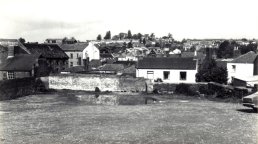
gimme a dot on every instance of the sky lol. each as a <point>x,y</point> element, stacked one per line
<point>36,20</point>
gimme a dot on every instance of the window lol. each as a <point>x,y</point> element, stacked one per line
<point>71,55</point>
<point>71,64</point>
<point>79,61</point>
<point>166,75</point>
<point>150,74</point>
<point>182,75</point>
<point>233,68</point>
<point>77,55</point>
<point>10,75</point>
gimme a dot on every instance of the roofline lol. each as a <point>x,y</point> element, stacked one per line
<point>166,68</point>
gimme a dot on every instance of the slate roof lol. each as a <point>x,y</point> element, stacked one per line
<point>106,55</point>
<point>46,50</point>
<point>74,47</point>
<point>111,67</point>
<point>246,58</point>
<point>23,62</point>
<point>167,63</point>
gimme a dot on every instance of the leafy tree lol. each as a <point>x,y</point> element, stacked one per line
<point>135,36</point>
<point>130,44</point>
<point>225,50</point>
<point>250,47</point>
<point>108,35</point>
<point>144,41</point>
<point>129,34</point>
<point>210,72</point>
<point>169,35</point>
<point>139,36</point>
<point>22,40</point>
<point>99,37</point>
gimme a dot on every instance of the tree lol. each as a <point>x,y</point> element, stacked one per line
<point>250,47</point>
<point>169,35</point>
<point>130,44</point>
<point>139,36</point>
<point>144,41</point>
<point>108,35</point>
<point>22,40</point>
<point>210,72</point>
<point>225,50</point>
<point>129,34</point>
<point>99,37</point>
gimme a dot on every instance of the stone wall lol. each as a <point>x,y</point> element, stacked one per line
<point>10,89</point>
<point>90,81</point>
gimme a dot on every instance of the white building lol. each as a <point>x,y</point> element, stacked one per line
<point>91,52</point>
<point>243,66</point>
<point>169,70</point>
<point>74,52</point>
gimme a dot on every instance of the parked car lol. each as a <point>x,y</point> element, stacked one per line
<point>251,101</point>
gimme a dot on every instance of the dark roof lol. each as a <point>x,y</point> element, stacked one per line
<point>23,62</point>
<point>74,47</point>
<point>75,69</point>
<point>167,63</point>
<point>246,58</point>
<point>106,55</point>
<point>46,50</point>
<point>111,67</point>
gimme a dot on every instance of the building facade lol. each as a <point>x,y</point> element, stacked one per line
<point>169,70</point>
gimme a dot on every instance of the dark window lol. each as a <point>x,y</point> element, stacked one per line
<point>182,75</point>
<point>166,75</point>
<point>234,68</point>
<point>79,61</point>
<point>71,55</point>
<point>71,64</point>
<point>77,55</point>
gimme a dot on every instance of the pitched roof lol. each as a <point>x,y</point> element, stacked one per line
<point>46,50</point>
<point>23,62</point>
<point>74,47</point>
<point>167,63</point>
<point>111,67</point>
<point>106,55</point>
<point>246,58</point>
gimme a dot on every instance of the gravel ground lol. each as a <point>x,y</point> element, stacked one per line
<point>51,118</point>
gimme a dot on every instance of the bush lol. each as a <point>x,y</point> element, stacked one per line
<point>203,89</point>
<point>186,89</point>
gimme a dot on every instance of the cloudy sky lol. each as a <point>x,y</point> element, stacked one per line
<point>36,20</point>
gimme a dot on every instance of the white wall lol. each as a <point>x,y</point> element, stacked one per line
<point>242,70</point>
<point>174,75</point>
<point>91,52</point>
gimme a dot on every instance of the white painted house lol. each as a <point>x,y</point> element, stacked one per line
<point>78,52</point>
<point>91,52</point>
<point>243,66</point>
<point>169,70</point>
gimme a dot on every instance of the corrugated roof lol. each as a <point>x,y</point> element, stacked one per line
<point>74,47</point>
<point>23,62</point>
<point>246,58</point>
<point>46,50</point>
<point>167,63</point>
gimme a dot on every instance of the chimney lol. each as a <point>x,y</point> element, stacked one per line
<point>10,51</point>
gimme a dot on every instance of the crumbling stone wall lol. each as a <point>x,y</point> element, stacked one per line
<point>90,81</point>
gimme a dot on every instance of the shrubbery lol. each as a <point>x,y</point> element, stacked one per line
<point>186,89</point>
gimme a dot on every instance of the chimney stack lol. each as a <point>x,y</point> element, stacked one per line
<point>10,51</point>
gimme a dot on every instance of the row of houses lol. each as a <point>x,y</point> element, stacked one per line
<point>33,59</point>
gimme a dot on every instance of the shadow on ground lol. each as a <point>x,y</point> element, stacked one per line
<point>247,110</point>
